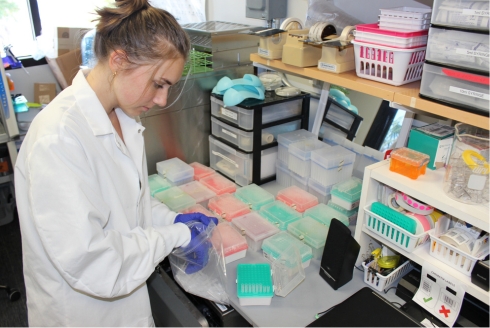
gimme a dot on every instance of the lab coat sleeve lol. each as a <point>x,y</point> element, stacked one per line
<point>161,215</point>
<point>69,213</point>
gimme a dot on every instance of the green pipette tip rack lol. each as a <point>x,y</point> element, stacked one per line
<point>198,63</point>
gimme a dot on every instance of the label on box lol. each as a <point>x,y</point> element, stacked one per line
<point>231,134</point>
<point>443,152</point>
<point>229,113</point>
<point>264,52</point>
<point>469,93</point>
<point>473,12</point>
<point>472,53</point>
<point>327,67</point>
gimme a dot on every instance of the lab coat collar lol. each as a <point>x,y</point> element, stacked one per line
<point>90,105</point>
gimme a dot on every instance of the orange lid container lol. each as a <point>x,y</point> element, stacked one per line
<point>408,162</point>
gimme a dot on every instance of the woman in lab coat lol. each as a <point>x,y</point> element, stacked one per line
<point>91,233</point>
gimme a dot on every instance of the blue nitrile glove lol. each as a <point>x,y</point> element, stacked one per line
<point>197,251</point>
<point>199,217</point>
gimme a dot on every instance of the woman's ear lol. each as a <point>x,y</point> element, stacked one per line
<point>117,60</point>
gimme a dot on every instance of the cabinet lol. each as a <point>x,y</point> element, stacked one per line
<point>427,188</point>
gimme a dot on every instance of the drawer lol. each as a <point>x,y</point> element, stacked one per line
<point>456,88</point>
<point>459,48</point>
<point>461,13</point>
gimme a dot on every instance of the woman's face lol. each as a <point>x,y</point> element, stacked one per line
<point>133,93</point>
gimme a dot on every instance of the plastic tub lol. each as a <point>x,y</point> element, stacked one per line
<point>347,193</point>
<point>285,139</point>
<point>312,233</point>
<point>273,246</point>
<point>408,162</point>
<point>234,244</point>
<point>324,214</point>
<point>201,171</point>
<point>255,229</point>
<point>254,284</point>
<point>198,191</point>
<point>371,33</point>
<point>404,24</point>
<point>389,65</point>
<point>380,282</point>
<point>298,181</point>
<point>157,184</point>
<point>198,208</point>
<point>300,155</point>
<point>456,88</point>
<point>320,191</point>
<point>297,198</point>
<point>282,174</point>
<point>331,165</point>
<point>351,214</point>
<point>238,165</point>
<point>458,48</point>
<point>175,199</point>
<point>461,13</point>
<point>228,207</point>
<point>254,196</point>
<point>244,118</point>
<point>279,214</point>
<point>218,184</point>
<point>176,171</point>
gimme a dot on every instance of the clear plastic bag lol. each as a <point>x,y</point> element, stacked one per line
<point>326,11</point>
<point>210,281</point>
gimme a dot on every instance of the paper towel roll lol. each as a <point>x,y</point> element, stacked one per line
<point>267,138</point>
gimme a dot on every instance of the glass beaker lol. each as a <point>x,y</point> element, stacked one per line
<point>467,172</point>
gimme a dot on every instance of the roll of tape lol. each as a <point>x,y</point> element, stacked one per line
<point>319,31</point>
<point>393,204</point>
<point>459,239</point>
<point>412,205</point>
<point>291,23</point>
<point>423,224</point>
<point>346,32</point>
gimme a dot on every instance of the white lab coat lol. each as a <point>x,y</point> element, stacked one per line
<point>91,233</point>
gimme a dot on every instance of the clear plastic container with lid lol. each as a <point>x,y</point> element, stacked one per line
<point>234,244</point>
<point>275,245</point>
<point>347,193</point>
<point>254,196</point>
<point>461,13</point>
<point>312,233</point>
<point>285,139</point>
<point>218,184</point>
<point>351,214</point>
<point>331,165</point>
<point>408,162</point>
<point>198,208</point>
<point>324,214</point>
<point>300,155</point>
<point>254,284</point>
<point>175,198</point>
<point>319,191</point>
<point>297,198</point>
<point>282,174</point>
<point>157,184</point>
<point>228,207</point>
<point>198,191</point>
<point>279,214</point>
<point>176,171</point>
<point>255,228</point>
<point>201,171</point>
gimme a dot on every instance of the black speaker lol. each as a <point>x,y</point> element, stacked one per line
<point>339,256</point>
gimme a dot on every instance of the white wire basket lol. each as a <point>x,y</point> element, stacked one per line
<point>380,282</point>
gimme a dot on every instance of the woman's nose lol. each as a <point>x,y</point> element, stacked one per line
<point>160,98</point>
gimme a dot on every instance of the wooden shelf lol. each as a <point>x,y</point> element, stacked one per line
<point>406,95</point>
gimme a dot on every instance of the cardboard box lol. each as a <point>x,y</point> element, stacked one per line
<point>434,140</point>
<point>65,67</point>
<point>44,92</point>
<point>69,38</point>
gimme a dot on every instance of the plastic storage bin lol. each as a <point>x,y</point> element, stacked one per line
<point>198,191</point>
<point>282,174</point>
<point>408,162</point>
<point>157,184</point>
<point>198,208</point>
<point>285,139</point>
<point>279,214</point>
<point>351,214</point>
<point>254,196</point>
<point>287,271</point>
<point>312,233</point>
<point>238,165</point>
<point>371,33</point>
<point>239,138</point>
<point>255,229</point>
<point>300,155</point>
<point>320,191</point>
<point>299,181</point>
<point>201,171</point>
<point>275,245</point>
<point>461,13</point>
<point>234,244</point>
<point>456,88</point>
<point>459,48</point>
<point>324,214</point>
<point>244,118</point>
<point>175,199</point>
<point>403,24</point>
<point>331,165</point>
<point>228,207</point>
<point>176,171</point>
<point>254,284</point>
<point>218,184</point>
<point>297,198</point>
<point>347,193</point>
<point>389,65</point>
<point>380,282</point>
<point>406,13</point>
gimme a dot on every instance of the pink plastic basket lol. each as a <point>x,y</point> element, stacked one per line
<point>371,33</point>
<point>374,28</point>
<point>389,65</point>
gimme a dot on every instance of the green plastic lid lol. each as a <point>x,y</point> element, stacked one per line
<point>157,184</point>
<point>309,231</point>
<point>324,214</point>
<point>349,190</point>
<point>175,199</point>
<point>279,214</point>
<point>342,210</point>
<point>280,242</point>
<point>254,196</point>
<point>254,280</point>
